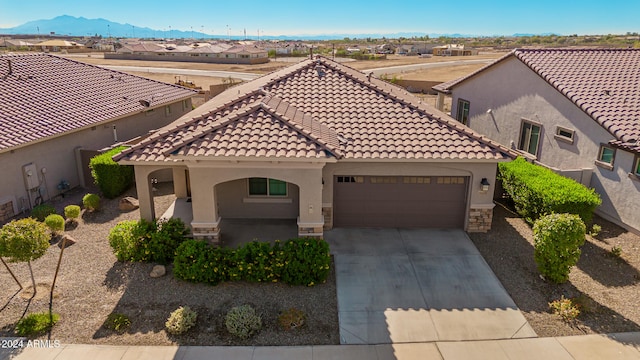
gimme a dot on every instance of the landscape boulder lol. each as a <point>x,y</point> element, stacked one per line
<point>128,204</point>
<point>158,271</point>
<point>68,241</point>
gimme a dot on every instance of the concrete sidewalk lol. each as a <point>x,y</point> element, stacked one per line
<point>619,346</point>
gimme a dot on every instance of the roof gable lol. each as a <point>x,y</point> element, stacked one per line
<point>347,113</point>
<point>43,95</point>
<point>601,82</point>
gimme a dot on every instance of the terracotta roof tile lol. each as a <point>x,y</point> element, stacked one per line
<point>317,108</point>
<point>45,95</point>
<point>604,83</point>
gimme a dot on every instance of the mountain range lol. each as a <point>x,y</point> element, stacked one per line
<point>80,26</point>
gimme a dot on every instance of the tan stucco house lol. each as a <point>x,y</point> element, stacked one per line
<point>326,145</point>
<point>576,111</point>
<point>53,109</point>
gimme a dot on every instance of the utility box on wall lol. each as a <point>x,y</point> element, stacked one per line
<point>30,174</point>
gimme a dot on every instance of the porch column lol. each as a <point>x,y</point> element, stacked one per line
<point>311,219</point>
<point>206,222</point>
<point>180,182</point>
<point>145,197</point>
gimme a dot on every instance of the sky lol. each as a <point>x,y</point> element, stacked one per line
<point>304,17</point>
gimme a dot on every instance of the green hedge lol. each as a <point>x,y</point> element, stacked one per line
<point>538,191</point>
<point>301,261</point>
<point>112,179</point>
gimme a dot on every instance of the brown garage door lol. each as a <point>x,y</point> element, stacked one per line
<point>400,201</point>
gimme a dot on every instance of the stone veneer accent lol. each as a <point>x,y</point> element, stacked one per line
<point>6,211</point>
<point>310,231</point>
<point>327,214</point>
<point>480,220</point>
<point>207,232</point>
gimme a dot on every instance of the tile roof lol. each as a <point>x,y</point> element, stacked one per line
<point>317,108</point>
<point>604,83</point>
<point>45,95</point>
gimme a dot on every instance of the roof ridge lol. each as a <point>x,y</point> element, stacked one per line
<point>299,126</point>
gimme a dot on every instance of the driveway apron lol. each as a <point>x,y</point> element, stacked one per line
<point>418,285</point>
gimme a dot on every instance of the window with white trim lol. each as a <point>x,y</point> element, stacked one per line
<point>564,134</point>
<point>529,137</point>
<point>463,111</point>
<point>267,187</point>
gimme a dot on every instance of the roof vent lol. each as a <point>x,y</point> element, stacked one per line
<point>9,65</point>
<point>320,70</point>
<point>369,76</point>
<point>145,103</point>
<point>606,92</point>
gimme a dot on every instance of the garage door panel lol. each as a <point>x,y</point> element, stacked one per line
<point>393,201</point>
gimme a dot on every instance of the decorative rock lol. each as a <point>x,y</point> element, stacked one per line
<point>128,204</point>
<point>68,241</point>
<point>158,271</point>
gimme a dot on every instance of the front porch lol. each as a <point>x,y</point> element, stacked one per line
<point>236,232</point>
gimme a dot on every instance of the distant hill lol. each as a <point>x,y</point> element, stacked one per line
<point>80,26</point>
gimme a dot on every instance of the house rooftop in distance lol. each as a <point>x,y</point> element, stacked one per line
<point>43,95</point>
<point>604,83</point>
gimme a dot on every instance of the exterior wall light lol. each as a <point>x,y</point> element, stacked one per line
<point>484,184</point>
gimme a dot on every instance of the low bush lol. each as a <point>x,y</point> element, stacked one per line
<point>243,321</point>
<point>112,178</point>
<point>181,320</point>
<point>24,240</point>
<point>291,319</point>
<point>117,322</point>
<point>557,241</point>
<point>303,261</point>
<point>55,223</point>
<point>595,230</point>
<point>147,241</point>
<point>36,324</point>
<point>72,212</point>
<point>537,191</point>
<point>565,308</point>
<point>91,202</point>
<point>41,212</point>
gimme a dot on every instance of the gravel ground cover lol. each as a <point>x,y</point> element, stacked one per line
<point>606,286</point>
<point>92,284</point>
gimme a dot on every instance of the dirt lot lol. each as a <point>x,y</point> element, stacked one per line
<point>441,74</point>
<point>92,284</point>
<point>606,286</point>
<point>397,60</point>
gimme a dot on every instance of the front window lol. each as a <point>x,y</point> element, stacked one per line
<point>267,187</point>
<point>636,167</point>
<point>529,138</point>
<point>463,111</point>
<point>607,154</point>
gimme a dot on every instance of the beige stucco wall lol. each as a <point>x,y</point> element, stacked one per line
<point>513,92</point>
<point>474,170</point>
<point>234,202</point>
<point>58,157</point>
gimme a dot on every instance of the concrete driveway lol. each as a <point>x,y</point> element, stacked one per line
<point>417,285</point>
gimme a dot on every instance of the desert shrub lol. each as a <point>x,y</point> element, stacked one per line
<point>565,308</point>
<point>166,238</point>
<point>306,261</point>
<point>291,319</point>
<point>595,230</point>
<point>91,202</point>
<point>616,252</point>
<point>253,262</point>
<point>72,212</point>
<point>197,261</point>
<point>36,324</point>
<point>181,320</point>
<point>41,211</point>
<point>55,223</point>
<point>243,321</point>
<point>537,191</point>
<point>112,178</point>
<point>146,240</point>
<point>117,322</point>
<point>557,241</point>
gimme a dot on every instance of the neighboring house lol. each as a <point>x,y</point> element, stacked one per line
<point>576,111</point>
<point>453,50</point>
<point>208,53</point>
<point>52,108</point>
<point>59,45</point>
<point>324,144</point>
